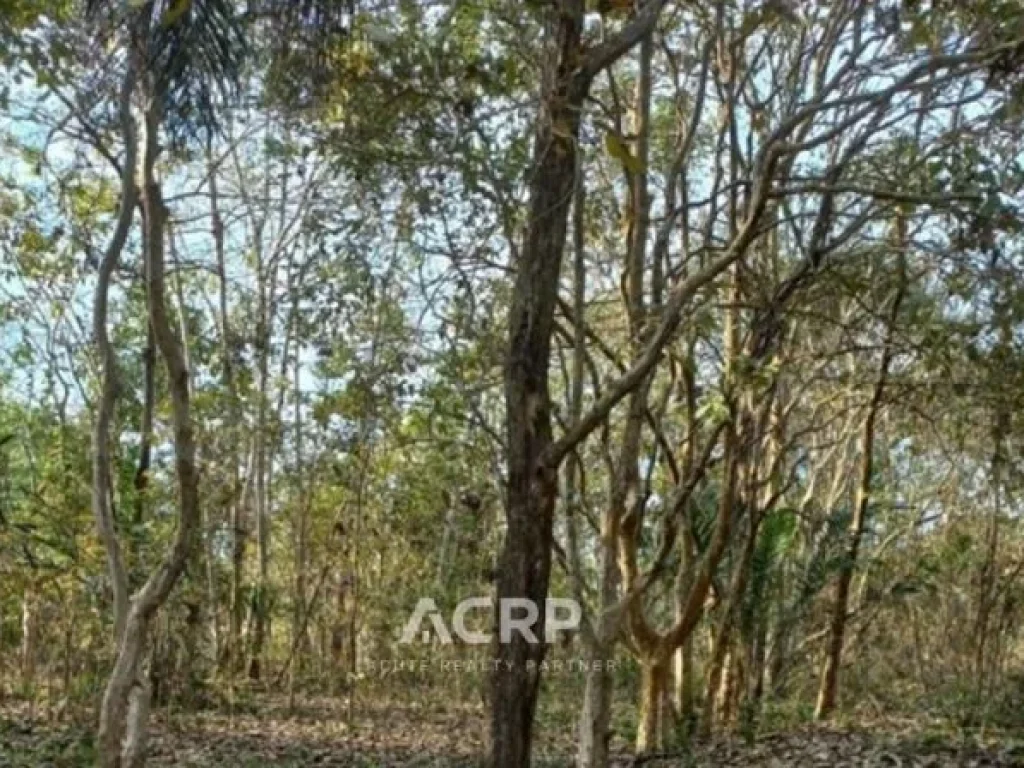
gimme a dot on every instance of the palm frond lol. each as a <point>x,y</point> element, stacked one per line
<point>197,53</point>
<point>198,50</point>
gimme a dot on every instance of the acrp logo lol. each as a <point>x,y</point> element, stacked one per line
<point>515,614</point>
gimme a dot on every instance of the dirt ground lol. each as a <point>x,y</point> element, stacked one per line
<point>329,733</point>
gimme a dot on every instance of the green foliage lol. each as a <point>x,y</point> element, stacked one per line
<point>343,259</point>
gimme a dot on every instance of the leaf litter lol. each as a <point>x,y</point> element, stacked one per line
<point>392,734</point>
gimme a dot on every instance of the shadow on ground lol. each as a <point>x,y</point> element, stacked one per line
<point>332,733</point>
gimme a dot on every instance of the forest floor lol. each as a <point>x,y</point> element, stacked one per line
<point>409,734</point>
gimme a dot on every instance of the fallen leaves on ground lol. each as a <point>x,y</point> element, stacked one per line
<point>385,734</point>
<point>834,748</point>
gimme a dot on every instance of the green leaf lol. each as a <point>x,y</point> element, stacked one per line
<point>617,148</point>
<point>174,14</point>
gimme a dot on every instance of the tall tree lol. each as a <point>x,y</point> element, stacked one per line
<point>525,564</point>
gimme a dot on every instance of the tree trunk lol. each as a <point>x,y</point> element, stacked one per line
<point>233,655</point>
<point>115,697</point>
<point>988,576</point>
<point>650,734</point>
<point>662,647</point>
<point>260,597</point>
<point>445,555</point>
<point>136,733</point>
<point>684,674</point>
<point>525,564</point>
<point>300,635</point>
<point>684,681</point>
<point>724,651</point>
<point>109,373</point>
<point>732,687</point>
<point>828,690</point>
<point>339,629</point>
<point>757,663</point>
<point>716,667</point>
<point>598,637</point>
<point>111,741</point>
<point>146,429</point>
<point>69,656</point>
<point>596,715</point>
<point>29,625</point>
<point>212,594</point>
<point>123,713</point>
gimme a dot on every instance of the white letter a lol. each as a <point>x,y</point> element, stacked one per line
<point>426,607</point>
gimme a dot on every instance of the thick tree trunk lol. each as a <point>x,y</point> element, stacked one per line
<point>111,741</point>
<point>650,733</point>
<point>716,671</point>
<point>827,693</point>
<point>734,687</point>
<point>136,736</point>
<point>684,681</point>
<point>525,563</point>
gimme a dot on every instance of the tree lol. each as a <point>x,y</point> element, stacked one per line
<point>766,415</point>
<point>533,461</point>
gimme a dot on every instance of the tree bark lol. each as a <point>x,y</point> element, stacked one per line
<point>29,626</point>
<point>595,717</point>
<point>684,679</point>
<point>627,500</point>
<point>828,690</point>
<point>126,698</point>
<point>137,731</point>
<point>233,654</point>
<point>109,369</point>
<point>146,429</point>
<point>650,733</point>
<point>115,700</point>
<point>724,649</point>
<point>260,596</point>
<point>300,637</point>
<point>525,563</point>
